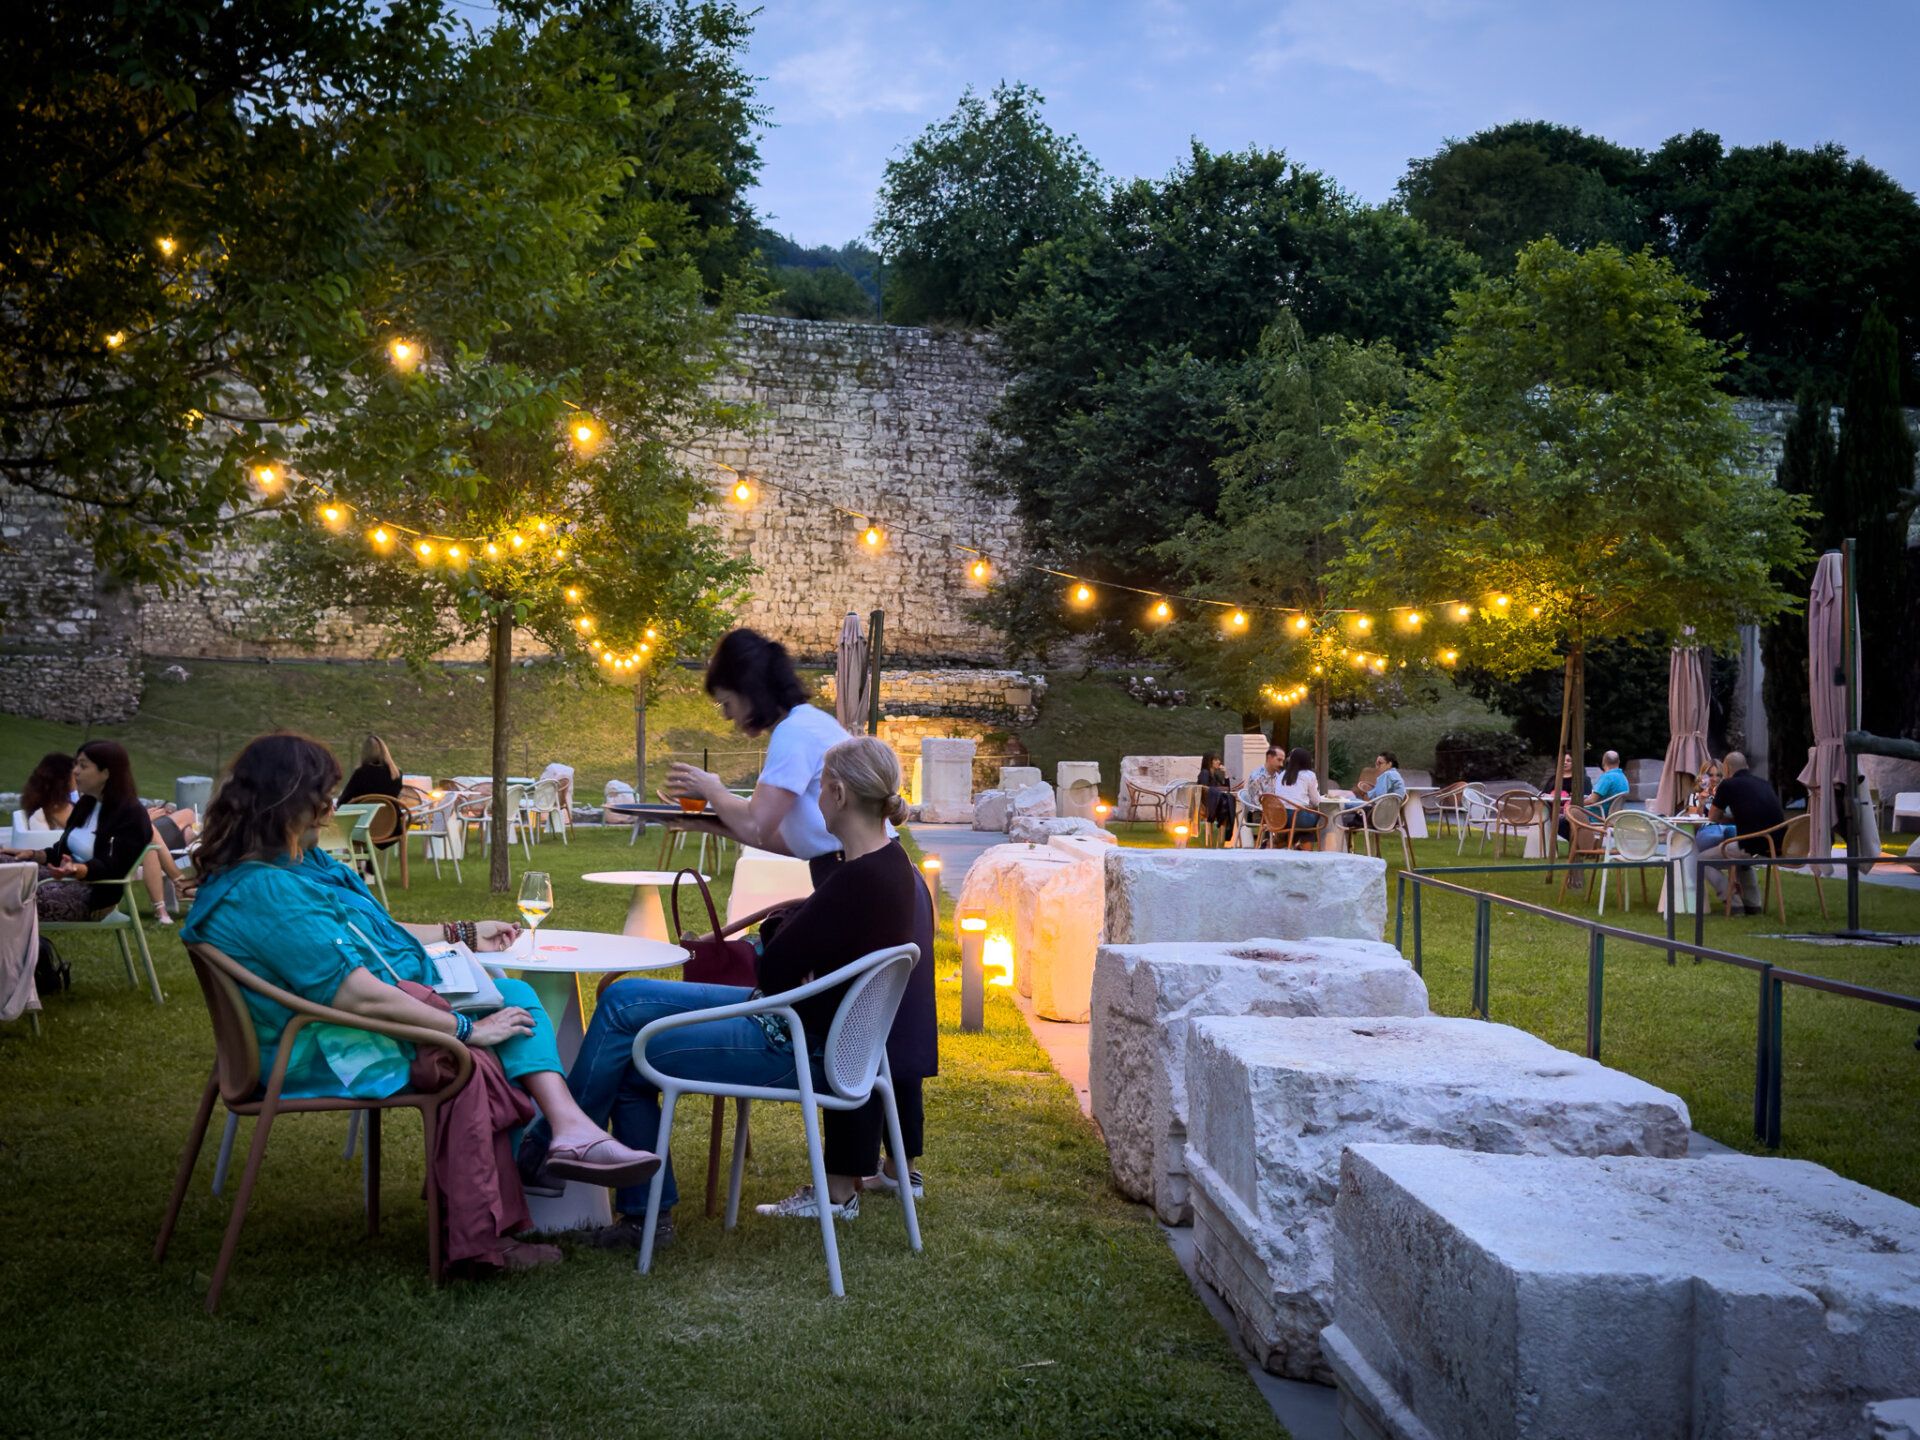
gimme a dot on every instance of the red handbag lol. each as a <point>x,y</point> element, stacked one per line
<point>716,961</point>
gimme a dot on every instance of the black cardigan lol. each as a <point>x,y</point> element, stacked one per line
<point>123,834</point>
<point>370,780</point>
<point>864,905</point>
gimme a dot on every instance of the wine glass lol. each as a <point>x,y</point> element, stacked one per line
<point>535,904</point>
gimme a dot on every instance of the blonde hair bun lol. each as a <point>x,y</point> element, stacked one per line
<point>870,772</point>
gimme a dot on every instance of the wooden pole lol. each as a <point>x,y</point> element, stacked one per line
<point>875,623</point>
<point>499,877</point>
<point>1320,744</point>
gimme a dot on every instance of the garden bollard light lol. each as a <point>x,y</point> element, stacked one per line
<point>973,976</point>
<point>930,871</point>
<point>1179,837</point>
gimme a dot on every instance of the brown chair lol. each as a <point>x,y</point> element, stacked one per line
<point>1771,842</point>
<point>236,1082</point>
<point>1280,826</point>
<point>1386,816</point>
<point>1515,813</point>
<point>1795,841</point>
<point>387,829</point>
<point>1588,841</point>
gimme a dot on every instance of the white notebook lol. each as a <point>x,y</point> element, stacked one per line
<point>464,983</point>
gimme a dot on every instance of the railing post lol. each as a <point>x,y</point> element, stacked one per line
<point>1676,876</point>
<point>1400,912</point>
<point>1596,966</point>
<point>1763,1055</point>
<point>1482,956</point>
<point>1700,892</point>
<point>1779,989</point>
<point>1417,888</point>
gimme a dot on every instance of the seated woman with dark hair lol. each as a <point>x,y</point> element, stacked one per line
<point>105,834</point>
<point>1215,803</point>
<point>297,918</point>
<point>47,798</point>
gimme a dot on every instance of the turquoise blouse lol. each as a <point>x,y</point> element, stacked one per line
<point>304,926</point>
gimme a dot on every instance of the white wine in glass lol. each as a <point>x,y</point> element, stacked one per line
<point>535,904</point>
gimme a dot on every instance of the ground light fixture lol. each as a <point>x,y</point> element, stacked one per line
<point>1180,837</point>
<point>930,870</point>
<point>973,976</point>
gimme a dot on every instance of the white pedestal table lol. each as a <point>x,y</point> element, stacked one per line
<point>646,917</point>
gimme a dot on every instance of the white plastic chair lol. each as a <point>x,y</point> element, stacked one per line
<point>854,1061</point>
<point>545,811</point>
<point>1632,835</point>
<point>517,826</point>
<point>445,832</point>
<point>1478,811</point>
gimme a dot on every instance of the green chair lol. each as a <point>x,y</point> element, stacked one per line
<point>124,916</point>
<point>349,839</point>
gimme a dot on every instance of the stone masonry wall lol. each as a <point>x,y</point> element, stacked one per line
<point>1001,697</point>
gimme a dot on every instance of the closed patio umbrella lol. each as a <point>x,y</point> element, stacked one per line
<point>851,696</point>
<point>1826,772</point>
<point>1686,726</point>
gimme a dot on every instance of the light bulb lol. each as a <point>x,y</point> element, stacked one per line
<point>1239,619</point>
<point>1464,611</point>
<point>872,536</point>
<point>1414,618</point>
<point>1300,623</point>
<point>1536,609</point>
<point>585,623</point>
<point>518,542</point>
<point>645,648</point>
<point>1162,610</point>
<point>331,513</point>
<point>1365,623</point>
<point>116,338</point>
<point>583,434</point>
<point>1082,594</point>
<point>424,548</point>
<point>1500,601</point>
<point>167,246</point>
<point>979,569</point>
<point>541,527</point>
<point>380,537</point>
<point>492,549</point>
<point>453,552</point>
<point>264,474</point>
<point>559,554</point>
<point>572,593</point>
<point>401,351</point>
<point>649,634</point>
<point>743,491</point>
<point>1452,655</point>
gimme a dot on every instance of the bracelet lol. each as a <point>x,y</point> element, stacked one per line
<point>462,1026</point>
<point>449,931</point>
<point>470,932</point>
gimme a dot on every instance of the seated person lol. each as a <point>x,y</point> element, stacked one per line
<point>868,902</point>
<point>1215,803</point>
<point>1386,782</point>
<point>1564,786</point>
<point>1292,781</point>
<point>1746,803</point>
<point>562,776</point>
<point>105,833</point>
<point>1609,792</point>
<point>173,830</point>
<point>48,796</point>
<point>1701,800</point>
<point>375,775</point>
<point>301,921</point>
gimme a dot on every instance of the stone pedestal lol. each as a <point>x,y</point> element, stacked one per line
<point>1143,997</point>
<point>1520,1297</point>
<point>1047,903</point>
<point>1272,1102</point>
<point>1032,802</point>
<point>1242,755</point>
<point>1078,782</point>
<point>990,810</point>
<point>1018,777</point>
<point>1190,895</point>
<point>946,781</point>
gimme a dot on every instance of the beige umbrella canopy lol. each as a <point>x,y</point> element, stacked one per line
<point>1687,752</point>
<point>1826,773</point>
<point>852,695</point>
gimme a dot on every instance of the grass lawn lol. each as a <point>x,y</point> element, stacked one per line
<point>1851,1072</point>
<point>1044,1304</point>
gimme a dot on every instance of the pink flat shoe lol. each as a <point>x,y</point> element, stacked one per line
<point>601,1162</point>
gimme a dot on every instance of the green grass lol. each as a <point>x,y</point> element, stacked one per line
<point>1851,1074</point>
<point>1044,1304</point>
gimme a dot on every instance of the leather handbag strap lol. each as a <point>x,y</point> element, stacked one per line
<point>713,914</point>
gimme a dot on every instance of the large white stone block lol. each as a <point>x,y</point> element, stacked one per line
<point>1079,786</point>
<point>1242,755</point>
<point>1018,777</point>
<point>1033,802</point>
<point>1040,832</point>
<point>1143,997</point>
<point>1047,904</point>
<point>1521,1297</point>
<point>1272,1102</point>
<point>946,780</point>
<point>991,809</point>
<point>1189,895</point>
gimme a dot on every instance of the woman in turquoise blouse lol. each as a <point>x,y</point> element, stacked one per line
<point>303,922</point>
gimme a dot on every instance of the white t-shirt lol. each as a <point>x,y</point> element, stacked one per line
<point>80,842</point>
<point>1302,794</point>
<point>794,751</point>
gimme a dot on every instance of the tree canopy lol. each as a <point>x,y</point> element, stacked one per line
<point>961,207</point>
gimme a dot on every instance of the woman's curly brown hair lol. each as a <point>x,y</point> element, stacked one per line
<point>272,794</point>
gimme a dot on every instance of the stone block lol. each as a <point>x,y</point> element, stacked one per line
<point>1046,904</point>
<point>1272,1102</point>
<point>946,781</point>
<point>990,810</point>
<point>1038,832</point>
<point>1018,777</point>
<point>1079,786</point>
<point>1520,1297</point>
<point>1190,895</point>
<point>1143,997</point>
<point>1033,802</point>
<point>1242,755</point>
<point>1894,1419</point>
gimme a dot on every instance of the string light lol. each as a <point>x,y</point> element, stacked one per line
<point>743,492</point>
<point>116,338</point>
<point>492,549</point>
<point>424,548</point>
<point>1300,623</point>
<point>573,594</point>
<point>1082,594</point>
<point>1162,610</point>
<point>453,552</point>
<point>1364,623</point>
<point>332,513</point>
<point>405,353</point>
<point>518,541</point>
<point>265,476</point>
<point>1500,601</point>
<point>980,570</point>
<point>167,246</point>
<point>380,537</point>
<point>1239,619</point>
<point>583,434</point>
<point>1414,618</point>
<point>1450,656</point>
<point>872,537</point>
<point>1464,612</point>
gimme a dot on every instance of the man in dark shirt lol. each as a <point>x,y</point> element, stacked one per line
<point>1748,804</point>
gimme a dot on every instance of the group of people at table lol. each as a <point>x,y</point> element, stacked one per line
<point>273,901</point>
<point>1287,776</point>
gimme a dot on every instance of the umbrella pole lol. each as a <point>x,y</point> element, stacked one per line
<point>1852,723</point>
<point>1559,750</point>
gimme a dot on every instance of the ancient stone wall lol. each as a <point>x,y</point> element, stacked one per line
<point>1002,697</point>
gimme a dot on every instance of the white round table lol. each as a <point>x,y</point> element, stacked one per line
<point>646,917</point>
<point>554,971</point>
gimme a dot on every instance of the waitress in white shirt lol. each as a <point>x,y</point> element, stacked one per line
<point>753,681</point>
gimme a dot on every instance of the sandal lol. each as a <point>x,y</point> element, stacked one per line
<point>601,1162</point>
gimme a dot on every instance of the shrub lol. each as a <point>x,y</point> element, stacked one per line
<point>1478,755</point>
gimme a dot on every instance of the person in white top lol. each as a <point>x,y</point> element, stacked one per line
<point>753,681</point>
<point>563,776</point>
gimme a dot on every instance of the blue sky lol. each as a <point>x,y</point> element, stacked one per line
<point>1351,87</point>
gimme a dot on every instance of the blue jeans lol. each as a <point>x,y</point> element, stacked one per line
<point>608,1087</point>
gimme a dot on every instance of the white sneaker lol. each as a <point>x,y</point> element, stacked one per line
<point>800,1206</point>
<point>885,1184</point>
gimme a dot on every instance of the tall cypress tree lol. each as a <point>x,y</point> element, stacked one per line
<point>1875,468</point>
<point>1808,461</point>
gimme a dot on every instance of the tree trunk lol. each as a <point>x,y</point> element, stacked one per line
<point>640,739</point>
<point>1320,747</point>
<point>499,875</point>
<point>1577,716</point>
<point>1283,727</point>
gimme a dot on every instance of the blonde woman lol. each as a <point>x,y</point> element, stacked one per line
<point>376,773</point>
<point>871,900</point>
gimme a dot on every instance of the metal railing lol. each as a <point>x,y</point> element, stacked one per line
<point>1773,979</point>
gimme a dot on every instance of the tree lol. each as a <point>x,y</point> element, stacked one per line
<point>1132,348</point>
<point>182,218</point>
<point>505,456</point>
<point>1505,187</point>
<point>1874,470</point>
<point>819,293</point>
<point>969,198</point>
<point>1566,471</point>
<point>1275,536</point>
